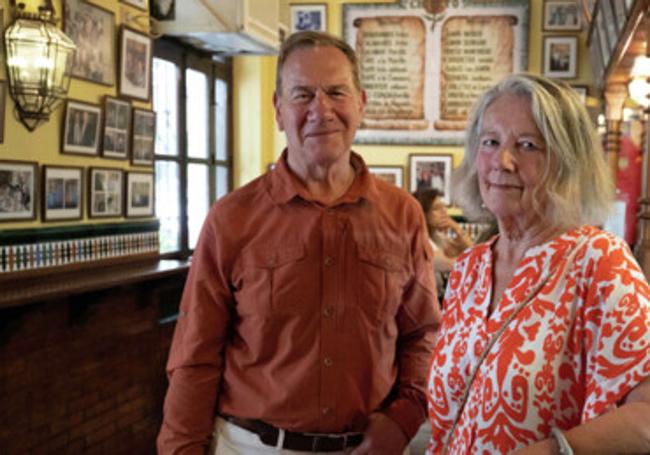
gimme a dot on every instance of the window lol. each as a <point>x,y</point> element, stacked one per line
<point>193,160</point>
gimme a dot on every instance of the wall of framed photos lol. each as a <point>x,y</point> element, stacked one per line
<point>106,123</point>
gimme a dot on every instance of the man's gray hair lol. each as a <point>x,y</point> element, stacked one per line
<point>576,180</point>
<point>310,39</point>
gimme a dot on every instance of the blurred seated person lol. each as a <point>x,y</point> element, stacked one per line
<point>439,224</point>
<point>544,345</point>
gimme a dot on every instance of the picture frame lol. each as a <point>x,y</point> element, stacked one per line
<point>116,131</point>
<point>139,194</point>
<point>582,91</point>
<point>431,171</point>
<point>562,15</point>
<point>140,4</point>
<point>92,28</point>
<point>105,192</point>
<point>560,57</point>
<point>143,137</point>
<point>134,79</point>
<point>18,190</point>
<point>389,174</point>
<point>311,16</point>
<point>81,126</point>
<point>62,193</point>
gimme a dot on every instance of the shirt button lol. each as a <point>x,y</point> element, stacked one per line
<point>329,260</point>
<point>270,260</point>
<point>328,311</point>
<point>328,362</point>
<point>326,411</point>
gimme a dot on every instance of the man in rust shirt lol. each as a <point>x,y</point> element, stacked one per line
<point>307,319</point>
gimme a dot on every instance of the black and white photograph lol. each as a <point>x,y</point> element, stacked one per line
<point>308,17</point>
<point>81,128</point>
<point>431,171</point>
<point>562,15</point>
<point>62,193</point>
<point>18,182</point>
<point>144,136</point>
<point>560,56</point>
<point>106,192</point>
<point>135,64</point>
<point>93,31</point>
<point>139,194</point>
<point>117,124</point>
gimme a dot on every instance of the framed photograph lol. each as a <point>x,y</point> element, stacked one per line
<point>81,128</point>
<point>106,192</point>
<point>62,193</point>
<point>117,128</point>
<point>582,92</point>
<point>18,182</point>
<point>562,15</point>
<point>389,174</point>
<point>139,194</point>
<point>431,171</point>
<point>308,17</point>
<point>135,64</point>
<point>140,4</point>
<point>93,31</point>
<point>560,56</point>
<point>144,137</point>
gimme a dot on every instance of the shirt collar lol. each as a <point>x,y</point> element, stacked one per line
<point>284,185</point>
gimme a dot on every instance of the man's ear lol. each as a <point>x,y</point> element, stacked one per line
<point>278,114</point>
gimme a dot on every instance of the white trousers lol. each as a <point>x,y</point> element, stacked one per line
<point>233,440</point>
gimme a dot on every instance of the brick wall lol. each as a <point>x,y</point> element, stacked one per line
<point>86,374</point>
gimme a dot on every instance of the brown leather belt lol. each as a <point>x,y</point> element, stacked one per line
<point>302,442</point>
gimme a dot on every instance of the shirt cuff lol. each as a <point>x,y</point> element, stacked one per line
<point>406,415</point>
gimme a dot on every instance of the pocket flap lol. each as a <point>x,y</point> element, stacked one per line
<point>381,258</point>
<point>269,258</point>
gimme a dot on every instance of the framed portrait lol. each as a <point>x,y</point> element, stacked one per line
<point>389,174</point>
<point>562,15</point>
<point>144,137</point>
<point>431,171</point>
<point>116,133</point>
<point>18,182</point>
<point>140,4</point>
<point>93,31</point>
<point>560,56</point>
<point>105,192</point>
<point>62,193</point>
<point>582,92</point>
<point>139,194</point>
<point>81,128</point>
<point>135,64</point>
<point>308,17</point>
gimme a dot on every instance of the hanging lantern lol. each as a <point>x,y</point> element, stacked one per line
<point>39,56</point>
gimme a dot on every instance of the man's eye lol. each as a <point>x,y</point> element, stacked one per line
<point>489,143</point>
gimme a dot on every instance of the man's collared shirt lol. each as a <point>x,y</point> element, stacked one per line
<point>306,317</point>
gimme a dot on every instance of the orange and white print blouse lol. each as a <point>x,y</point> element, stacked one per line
<point>574,351</point>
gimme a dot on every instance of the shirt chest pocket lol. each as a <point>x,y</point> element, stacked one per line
<point>272,281</point>
<point>381,277</point>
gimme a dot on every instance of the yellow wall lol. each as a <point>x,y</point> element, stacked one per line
<point>268,150</point>
<point>44,144</point>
